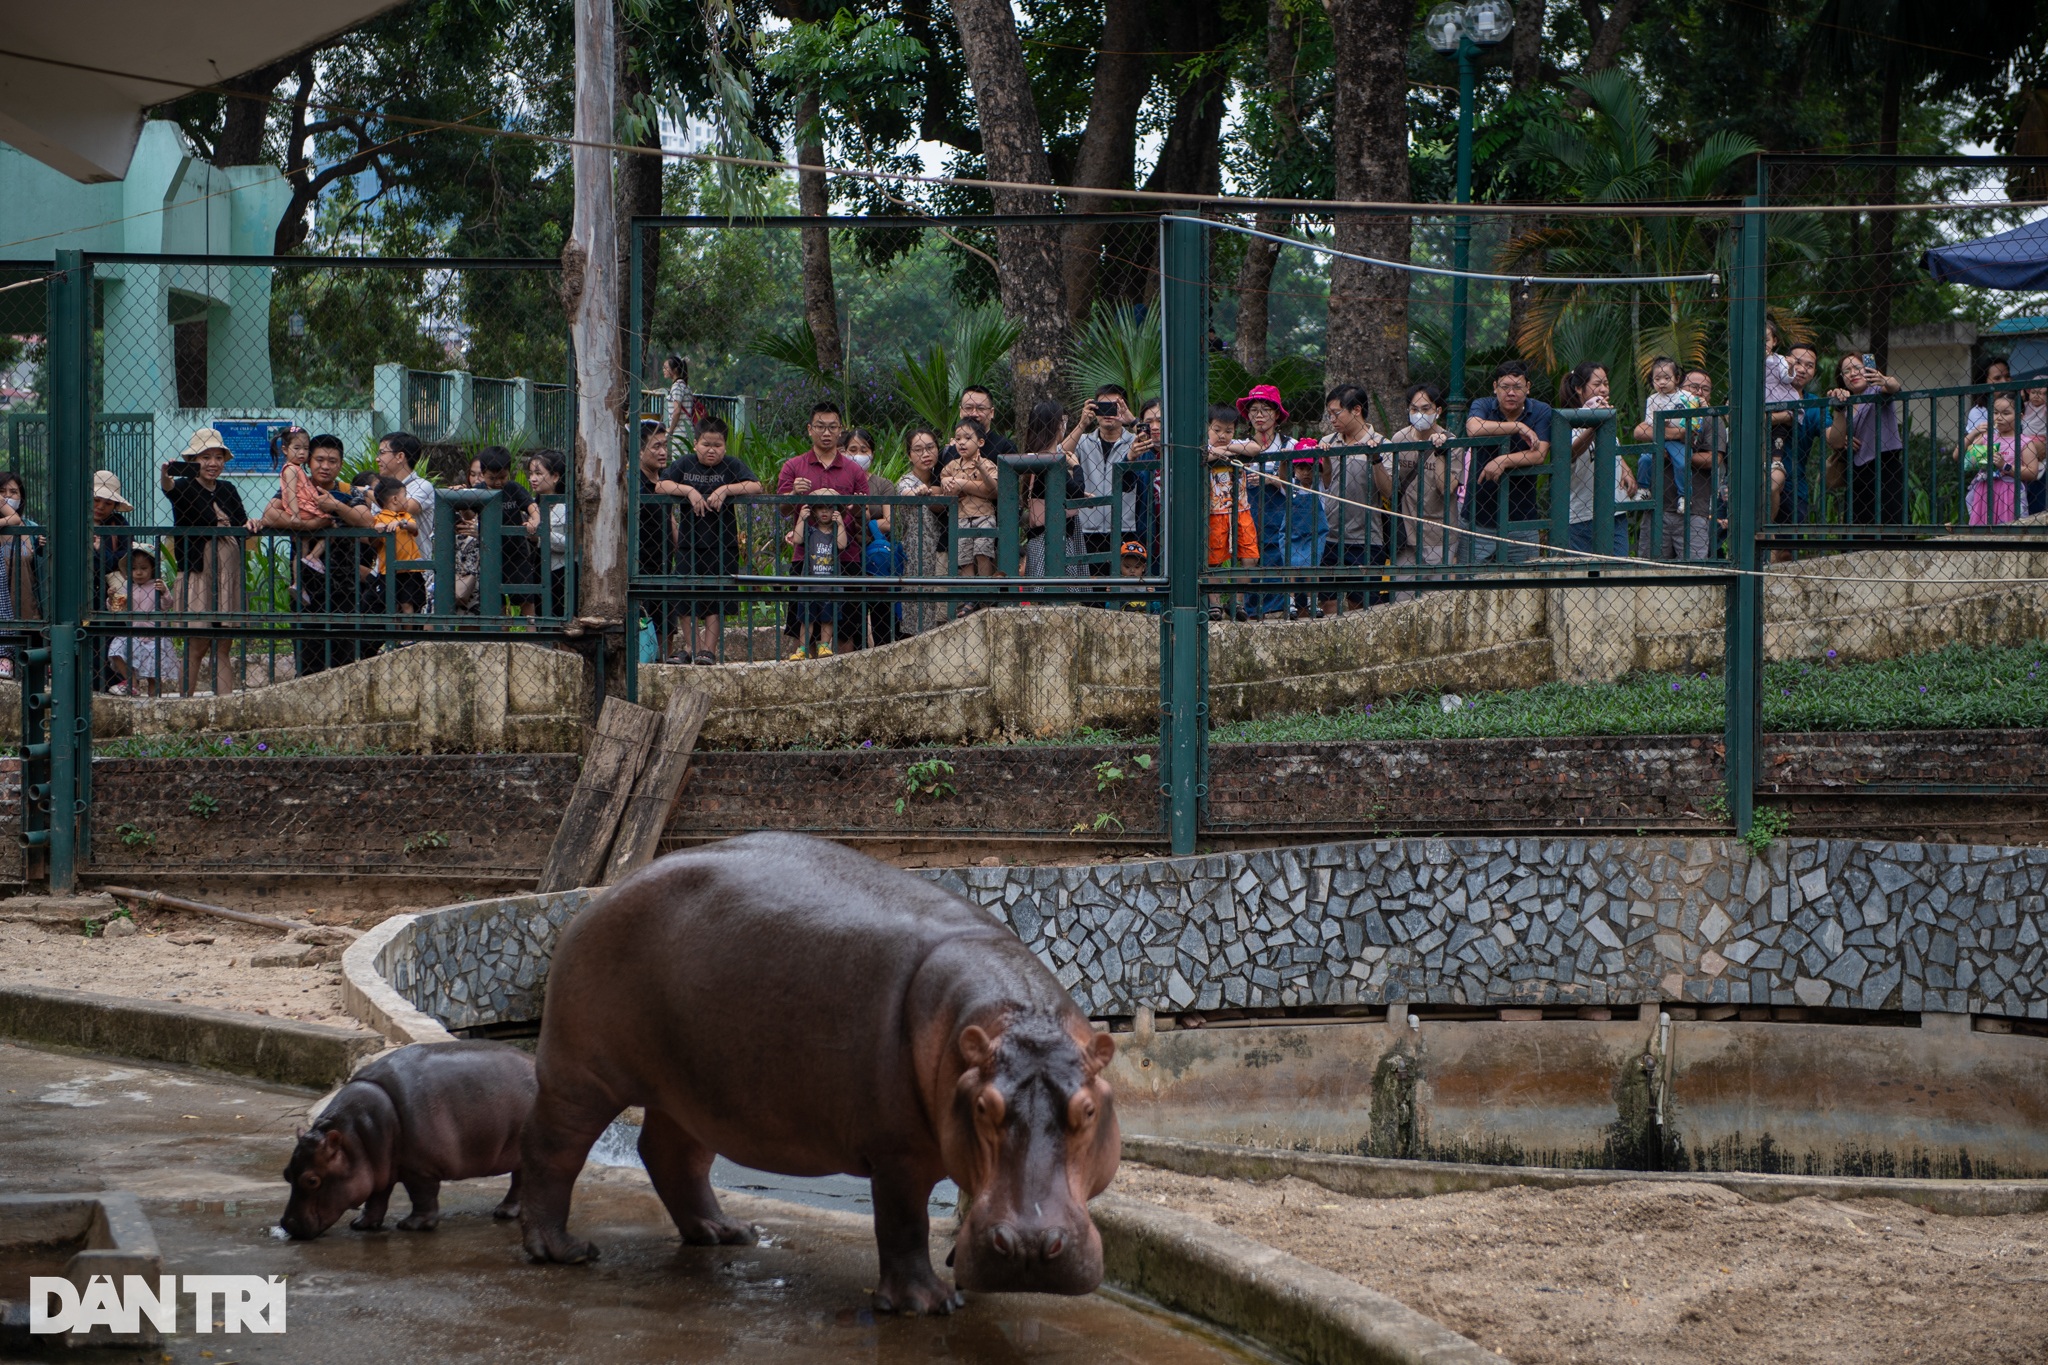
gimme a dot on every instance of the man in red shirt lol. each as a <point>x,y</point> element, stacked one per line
<point>822,469</point>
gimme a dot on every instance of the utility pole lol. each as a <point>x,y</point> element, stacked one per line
<point>590,291</point>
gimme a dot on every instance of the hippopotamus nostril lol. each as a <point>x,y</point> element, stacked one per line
<point>1002,1240</point>
<point>1055,1242</point>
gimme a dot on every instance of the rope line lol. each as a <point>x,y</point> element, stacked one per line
<point>1631,561</point>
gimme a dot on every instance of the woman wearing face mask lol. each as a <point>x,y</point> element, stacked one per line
<point>1424,484</point>
<point>209,566</point>
<point>17,562</point>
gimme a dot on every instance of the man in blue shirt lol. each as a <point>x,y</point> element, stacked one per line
<point>1510,412</point>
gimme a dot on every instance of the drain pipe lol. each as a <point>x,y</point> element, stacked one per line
<point>1664,1078</point>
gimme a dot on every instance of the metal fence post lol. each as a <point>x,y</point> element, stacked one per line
<point>71,405</point>
<point>1746,482</point>
<point>1184,686</point>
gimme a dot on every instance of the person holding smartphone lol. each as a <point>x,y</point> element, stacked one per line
<point>1867,434</point>
<point>1102,442</point>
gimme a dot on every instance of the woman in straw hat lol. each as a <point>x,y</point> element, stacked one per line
<point>209,566</point>
<point>110,546</point>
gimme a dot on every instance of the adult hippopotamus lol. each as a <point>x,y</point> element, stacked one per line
<point>803,1009</point>
<point>418,1116</point>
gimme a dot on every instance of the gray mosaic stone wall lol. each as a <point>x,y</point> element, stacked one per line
<point>1813,922</point>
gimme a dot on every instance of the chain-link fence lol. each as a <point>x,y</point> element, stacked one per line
<point>327,513</point>
<point>1907,388</point>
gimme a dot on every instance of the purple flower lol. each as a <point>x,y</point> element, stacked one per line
<point>1923,691</point>
<point>1831,654</point>
<point>265,748</point>
<point>867,744</point>
<point>1676,686</point>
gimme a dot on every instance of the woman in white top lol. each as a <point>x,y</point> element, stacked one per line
<point>682,404</point>
<point>545,471</point>
<point>1587,387</point>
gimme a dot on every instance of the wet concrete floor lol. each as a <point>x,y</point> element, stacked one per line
<point>205,1154</point>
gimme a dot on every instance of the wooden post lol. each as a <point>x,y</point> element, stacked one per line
<point>661,782</point>
<point>590,292</point>
<point>618,750</point>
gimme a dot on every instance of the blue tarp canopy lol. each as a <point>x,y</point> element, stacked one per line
<point>2014,259</point>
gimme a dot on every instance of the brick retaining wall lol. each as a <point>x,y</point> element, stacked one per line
<point>498,812</point>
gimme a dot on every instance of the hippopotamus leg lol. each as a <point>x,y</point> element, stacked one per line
<point>371,1219</point>
<point>508,1207</point>
<point>552,1151</point>
<point>903,1228</point>
<point>425,1195</point>
<point>680,1167</point>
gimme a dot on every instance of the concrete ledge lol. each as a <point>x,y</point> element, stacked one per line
<point>1312,1315</point>
<point>114,1239</point>
<point>280,1050</point>
<point>1388,1178</point>
<point>369,998</point>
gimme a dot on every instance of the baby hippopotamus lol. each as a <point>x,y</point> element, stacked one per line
<point>424,1114</point>
<point>804,1009</point>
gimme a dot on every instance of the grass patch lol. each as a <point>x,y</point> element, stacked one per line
<point>1956,688</point>
<point>222,746</point>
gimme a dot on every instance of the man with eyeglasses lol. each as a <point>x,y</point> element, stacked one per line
<point>1525,422</point>
<point>823,470</point>
<point>978,403</point>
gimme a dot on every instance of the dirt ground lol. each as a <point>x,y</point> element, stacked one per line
<point>1664,1274</point>
<point>193,959</point>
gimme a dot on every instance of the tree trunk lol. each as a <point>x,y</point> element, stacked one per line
<point>1368,328</point>
<point>1884,226</point>
<point>1190,160</point>
<point>590,292</point>
<point>639,197</point>
<point>1525,48</point>
<point>1255,276</point>
<point>1109,145</point>
<point>821,300</point>
<point>1033,287</point>
<point>1607,32</point>
<point>245,114</point>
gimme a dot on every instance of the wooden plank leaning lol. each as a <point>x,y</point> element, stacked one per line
<point>619,747</point>
<point>661,782</point>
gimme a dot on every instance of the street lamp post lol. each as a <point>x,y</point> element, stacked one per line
<point>1464,30</point>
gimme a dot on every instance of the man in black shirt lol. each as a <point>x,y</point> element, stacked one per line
<point>976,402</point>
<point>520,562</point>
<point>707,540</point>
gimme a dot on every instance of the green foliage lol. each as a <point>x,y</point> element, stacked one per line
<point>794,348</point>
<point>979,342</point>
<point>1101,824</point>
<point>1767,825</point>
<point>1299,382</point>
<point>1613,155</point>
<point>421,843</point>
<point>204,806</point>
<point>135,836</point>
<point>1117,346</point>
<point>927,778</point>
<point>94,928</point>
<point>1108,774</point>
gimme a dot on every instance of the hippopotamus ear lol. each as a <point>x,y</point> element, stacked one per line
<point>975,1047</point>
<point>1100,1049</point>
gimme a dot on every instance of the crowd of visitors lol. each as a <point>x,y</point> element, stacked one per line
<point>1344,497</point>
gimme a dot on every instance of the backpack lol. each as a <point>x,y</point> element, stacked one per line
<point>883,558</point>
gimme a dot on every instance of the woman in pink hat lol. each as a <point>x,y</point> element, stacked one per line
<point>1265,410</point>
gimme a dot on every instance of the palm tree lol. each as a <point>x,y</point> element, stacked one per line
<point>1612,155</point>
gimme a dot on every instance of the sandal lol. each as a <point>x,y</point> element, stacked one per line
<point>706,658</point>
